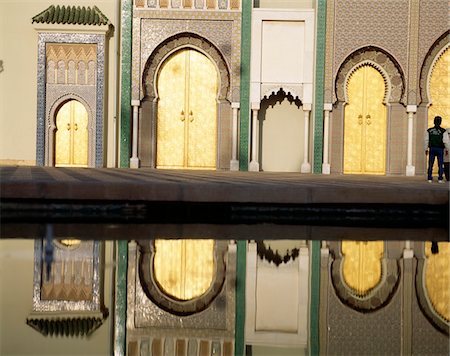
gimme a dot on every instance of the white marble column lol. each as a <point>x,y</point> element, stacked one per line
<point>410,169</point>
<point>134,160</point>
<point>306,166</point>
<point>234,164</point>
<point>326,138</point>
<point>254,164</point>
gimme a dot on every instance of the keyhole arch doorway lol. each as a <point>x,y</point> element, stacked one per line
<point>365,122</point>
<point>71,135</point>
<point>187,86</point>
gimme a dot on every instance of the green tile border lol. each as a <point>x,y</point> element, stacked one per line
<point>319,85</point>
<point>120,312</point>
<point>315,299</point>
<point>241,262</point>
<point>125,95</point>
<point>244,112</point>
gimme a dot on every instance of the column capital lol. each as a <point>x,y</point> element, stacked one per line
<point>328,107</point>
<point>307,106</point>
<point>135,102</point>
<point>256,106</point>
<point>235,105</point>
<point>411,108</point>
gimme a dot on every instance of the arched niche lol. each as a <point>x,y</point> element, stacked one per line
<point>375,295</point>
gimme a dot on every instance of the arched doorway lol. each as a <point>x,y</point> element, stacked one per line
<point>439,90</point>
<point>187,87</point>
<point>71,137</point>
<point>281,133</point>
<point>365,123</point>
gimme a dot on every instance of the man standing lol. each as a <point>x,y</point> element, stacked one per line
<point>447,160</point>
<point>436,139</point>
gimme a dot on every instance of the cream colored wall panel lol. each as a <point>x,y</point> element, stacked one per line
<point>282,138</point>
<point>18,80</point>
<point>282,51</point>
<point>285,4</point>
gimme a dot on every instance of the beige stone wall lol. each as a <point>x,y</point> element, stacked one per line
<point>18,80</point>
<point>16,298</point>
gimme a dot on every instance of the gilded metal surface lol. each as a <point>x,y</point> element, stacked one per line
<point>71,147</point>
<point>184,268</point>
<point>362,264</point>
<point>437,278</point>
<point>187,112</point>
<point>365,123</point>
<point>440,90</point>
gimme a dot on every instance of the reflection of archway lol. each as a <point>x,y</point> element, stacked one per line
<point>432,285</point>
<point>281,132</point>
<point>363,277</point>
<point>365,122</point>
<point>71,135</point>
<point>158,274</point>
<point>187,111</point>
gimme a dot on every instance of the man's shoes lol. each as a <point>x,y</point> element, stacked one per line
<point>440,181</point>
<point>430,181</point>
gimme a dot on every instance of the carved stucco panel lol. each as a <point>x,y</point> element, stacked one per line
<point>396,79</point>
<point>386,27</point>
<point>151,28</point>
<point>433,23</point>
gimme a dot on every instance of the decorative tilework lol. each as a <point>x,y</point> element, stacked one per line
<point>319,86</point>
<point>386,28</point>
<point>413,40</point>
<point>43,109</point>
<point>125,102</point>
<point>244,112</point>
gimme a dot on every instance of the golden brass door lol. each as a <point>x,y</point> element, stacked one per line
<point>187,112</point>
<point>71,138</point>
<point>440,90</point>
<point>365,123</point>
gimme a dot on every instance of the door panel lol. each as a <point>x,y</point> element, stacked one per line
<point>365,123</point>
<point>71,138</point>
<point>353,124</point>
<point>171,113</point>
<point>440,90</point>
<point>202,112</point>
<point>187,112</point>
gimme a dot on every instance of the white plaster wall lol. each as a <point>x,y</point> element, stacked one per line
<point>18,81</point>
<point>282,138</point>
<point>16,296</point>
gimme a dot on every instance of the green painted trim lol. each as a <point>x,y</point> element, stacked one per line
<point>319,85</point>
<point>244,112</point>
<point>120,314</point>
<point>315,299</point>
<point>241,261</point>
<point>125,95</point>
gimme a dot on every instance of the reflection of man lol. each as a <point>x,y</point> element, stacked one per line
<point>447,159</point>
<point>436,139</point>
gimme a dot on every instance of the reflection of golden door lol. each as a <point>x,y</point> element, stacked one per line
<point>71,139</point>
<point>362,264</point>
<point>365,123</point>
<point>184,269</point>
<point>187,111</point>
